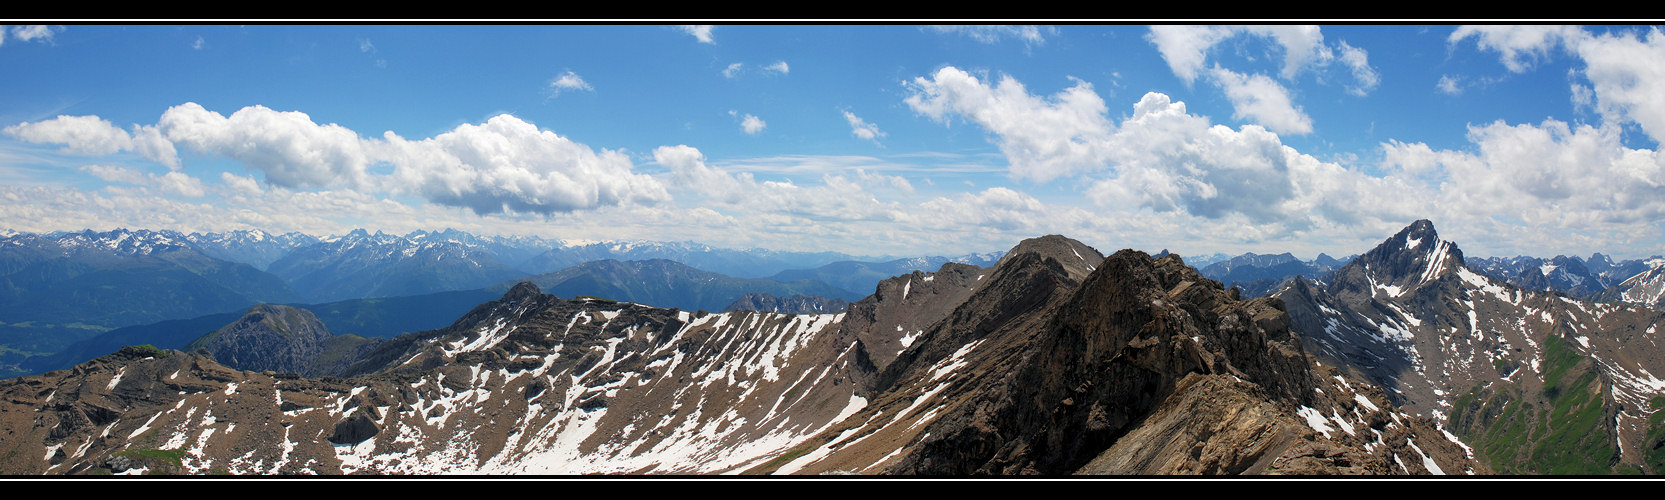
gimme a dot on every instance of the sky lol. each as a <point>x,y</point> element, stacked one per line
<point>869,140</point>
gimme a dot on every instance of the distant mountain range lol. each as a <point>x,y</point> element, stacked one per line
<point>1573,276</point>
<point>1259,275</point>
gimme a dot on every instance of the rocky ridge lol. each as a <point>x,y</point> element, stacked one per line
<point>1052,361</point>
<point>1477,355</point>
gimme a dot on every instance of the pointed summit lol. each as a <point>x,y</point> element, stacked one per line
<point>1413,256</point>
<point>1077,259</point>
<point>521,291</point>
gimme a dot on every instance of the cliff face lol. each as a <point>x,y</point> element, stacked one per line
<point>281,339</point>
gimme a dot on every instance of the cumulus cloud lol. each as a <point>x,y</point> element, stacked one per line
<point>1169,160</point>
<point>733,70</point>
<point>1627,78</point>
<point>1185,48</point>
<point>568,81</point>
<point>1257,98</point>
<point>245,186</point>
<point>509,164</point>
<point>291,149</point>
<point>1365,76</point>
<point>1042,139</point>
<point>751,124</point>
<point>35,32</point>
<point>1449,85</point>
<point>861,129</point>
<point>688,169</point>
<point>88,135</point>
<point>1520,46</point>
<point>1564,179</point>
<point>1625,70</point>
<point>91,135</point>
<point>701,32</point>
<point>1162,158</point>
<point>778,67</point>
<point>503,165</point>
<point>1262,100</point>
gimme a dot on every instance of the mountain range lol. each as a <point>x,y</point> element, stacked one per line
<point>1053,360</point>
<point>1534,381</point>
<point>61,289</point>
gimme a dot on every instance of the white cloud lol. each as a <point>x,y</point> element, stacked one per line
<point>1259,99</point>
<point>245,186</point>
<point>732,70</point>
<point>860,128</point>
<point>1449,85</point>
<point>1030,35</point>
<point>507,164</point>
<point>116,174</point>
<point>199,43</point>
<point>701,32</point>
<point>1627,77</point>
<point>1568,182</point>
<point>1043,139</point>
<point>173,182</point>
<point>1303,46</point>
<point>288,146</point>
<point>751,124</point>
<point>1359,61</point>
<point>778,67</point>
<point>34,32</point>
<point>1185,48</point>
<point>503,165</point>
<point>1162,158</point>
<point>177,182</point>
<point>837,198</point>
<point>1520,46</point>
<point>87,135</point>
<point>91,135</point>
<point>688,169</point>
<point>1625,71</point>
<point>568,81</point>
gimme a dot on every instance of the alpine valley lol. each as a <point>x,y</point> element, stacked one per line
<point>152,352</point>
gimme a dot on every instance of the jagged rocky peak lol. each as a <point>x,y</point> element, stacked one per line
<point>903,307</point>
<point>1414,256</point>
<point>268,337</point>
<point>1035,375</point>
<point>1077,258</point>
<point>521,291</point>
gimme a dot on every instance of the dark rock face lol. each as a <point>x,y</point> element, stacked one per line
<point>902,308</point>
<point>1112,352</point>
<point>281,339</point>
<point>354,430</point>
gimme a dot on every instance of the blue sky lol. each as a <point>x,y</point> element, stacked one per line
<point>870,140</point>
